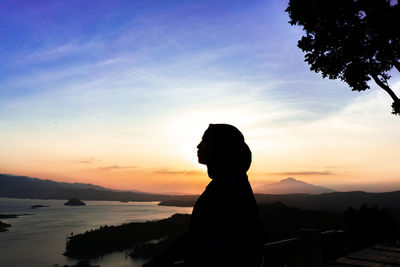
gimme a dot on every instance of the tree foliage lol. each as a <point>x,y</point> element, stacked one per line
<point>354,40</point>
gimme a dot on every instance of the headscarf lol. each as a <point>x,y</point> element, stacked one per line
<point>228,147</point>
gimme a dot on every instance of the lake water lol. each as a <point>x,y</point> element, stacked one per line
<point>39,239</point>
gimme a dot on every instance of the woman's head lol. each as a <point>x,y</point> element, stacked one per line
<point>223,146</point>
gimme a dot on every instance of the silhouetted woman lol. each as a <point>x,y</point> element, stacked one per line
<point>224,229</point>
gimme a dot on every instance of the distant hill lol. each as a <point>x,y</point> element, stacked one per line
<point>27,187</point>
<point>326,201</point>
<point>335,200</point>
<point>292,186</point>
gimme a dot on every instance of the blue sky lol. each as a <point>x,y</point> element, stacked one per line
<point>140,43</point>
<point>122,81</point>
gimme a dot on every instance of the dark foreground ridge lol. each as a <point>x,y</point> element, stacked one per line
<point>363,227</point>
<point>95,243</point>
<point>79,264</point>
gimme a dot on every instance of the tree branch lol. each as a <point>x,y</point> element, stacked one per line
<point>386,88</point>
<point>397,65</point>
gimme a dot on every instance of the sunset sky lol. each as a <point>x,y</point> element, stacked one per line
<point>119,93</point>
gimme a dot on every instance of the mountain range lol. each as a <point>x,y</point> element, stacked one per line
<point>27,187</point>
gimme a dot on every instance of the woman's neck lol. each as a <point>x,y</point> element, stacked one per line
<point>223,172</point>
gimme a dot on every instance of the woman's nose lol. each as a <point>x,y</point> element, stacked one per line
<point>198,146</point>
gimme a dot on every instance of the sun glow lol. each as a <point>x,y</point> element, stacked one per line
<point>185,131</point>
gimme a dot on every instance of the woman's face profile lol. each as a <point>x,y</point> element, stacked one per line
<point>204,151</point>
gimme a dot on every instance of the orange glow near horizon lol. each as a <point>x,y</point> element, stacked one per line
<point>194,181</point>
<point>163,159</point>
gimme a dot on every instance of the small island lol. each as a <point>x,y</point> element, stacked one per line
<point>178,203</point>
<point>12,216</point>
<point>74,202</point>
<point>9,216</point>
<point>39,206</point>
<point>4,226</point>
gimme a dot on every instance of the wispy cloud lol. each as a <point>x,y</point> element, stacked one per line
<point>172,172</point>
<point>86,161</point>
<point>116,167</point>
<point>303,173</point>
<point>335,167</point>
<point>57,52</point>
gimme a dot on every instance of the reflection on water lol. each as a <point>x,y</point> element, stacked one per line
<point>39,239</point>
